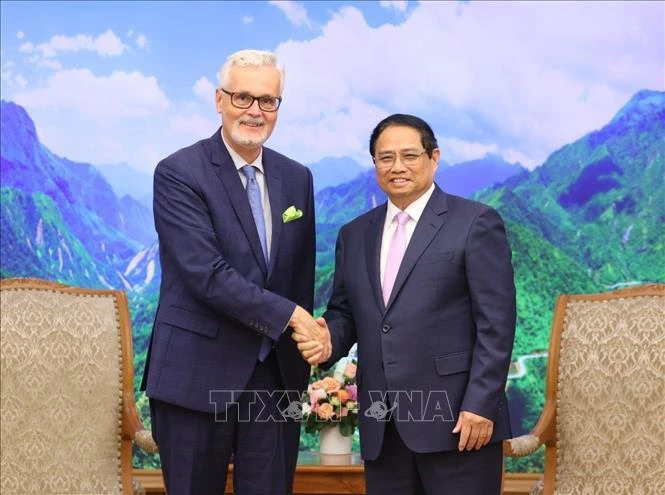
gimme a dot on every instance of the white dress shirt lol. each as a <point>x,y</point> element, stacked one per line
<point>240,162</point>
<point>414,210</point>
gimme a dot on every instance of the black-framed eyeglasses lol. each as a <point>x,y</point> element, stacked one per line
<point>388,160</point>
<point>244,100</point>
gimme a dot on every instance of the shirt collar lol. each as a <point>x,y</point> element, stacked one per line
<point>415,209</point>
<point>239,161</point>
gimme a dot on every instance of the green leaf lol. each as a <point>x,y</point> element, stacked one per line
<point>346,428</point>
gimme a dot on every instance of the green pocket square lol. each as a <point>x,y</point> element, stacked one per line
<point>290,214</point>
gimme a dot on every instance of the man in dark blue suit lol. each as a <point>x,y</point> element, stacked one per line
<point>424,285</point>
<point>236,235</point>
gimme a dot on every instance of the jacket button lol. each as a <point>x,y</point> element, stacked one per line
<point>385,328</point>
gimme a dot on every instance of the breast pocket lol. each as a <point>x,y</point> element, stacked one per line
<point>293,225</point>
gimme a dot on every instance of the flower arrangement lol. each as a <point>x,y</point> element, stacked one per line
<point>332,399</point>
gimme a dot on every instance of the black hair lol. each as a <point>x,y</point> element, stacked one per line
<point>427,138</point>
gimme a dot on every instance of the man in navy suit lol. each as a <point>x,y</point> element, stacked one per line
<point>424,285</point>
<point>236,235</point>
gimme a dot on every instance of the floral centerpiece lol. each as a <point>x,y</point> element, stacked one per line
<point>332,399</point>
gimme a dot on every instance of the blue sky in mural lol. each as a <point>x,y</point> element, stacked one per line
<point>113,82</point>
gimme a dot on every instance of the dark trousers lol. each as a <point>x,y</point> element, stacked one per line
<point>195,447</point>
<point>400,471</point>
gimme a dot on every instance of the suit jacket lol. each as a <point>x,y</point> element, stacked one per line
<point>217,300</point>
<point>444,341</point>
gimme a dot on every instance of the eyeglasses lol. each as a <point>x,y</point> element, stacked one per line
<point>245,100</point>
<point>387,160</point>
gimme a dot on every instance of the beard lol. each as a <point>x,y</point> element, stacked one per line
<point>239,136</point>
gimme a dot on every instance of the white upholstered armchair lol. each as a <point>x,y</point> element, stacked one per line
<point>68,412</point>
<point>603,423</point>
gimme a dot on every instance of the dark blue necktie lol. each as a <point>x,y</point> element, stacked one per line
<point>255,203</point>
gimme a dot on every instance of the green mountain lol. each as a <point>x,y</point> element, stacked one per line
<point>62,221</point>
<point>601,199</point>
<point>37,242</point>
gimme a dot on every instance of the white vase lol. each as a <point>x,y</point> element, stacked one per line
<point>333,442</point>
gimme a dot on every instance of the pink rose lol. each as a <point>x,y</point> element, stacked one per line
<point>314,399</point>
<point>353,391</point>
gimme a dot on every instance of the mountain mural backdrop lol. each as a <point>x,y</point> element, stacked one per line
<point>62,220</point>
<point>590,218</point>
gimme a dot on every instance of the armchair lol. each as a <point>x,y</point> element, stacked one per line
<point>603,422</point>
<point>67,402</point>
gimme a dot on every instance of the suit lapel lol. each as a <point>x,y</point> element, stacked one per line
<point>373,253</point>
<point>276,196</point>
<point>230,178</point>
<point>428,226</point>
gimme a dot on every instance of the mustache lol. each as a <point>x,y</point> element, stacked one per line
<point>251,120</point>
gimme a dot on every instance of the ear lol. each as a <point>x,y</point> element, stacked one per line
<point>436,154</point>
<point>218,100</point>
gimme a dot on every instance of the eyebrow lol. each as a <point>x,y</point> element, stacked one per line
<point>392,152</point>
<point>255,96</point>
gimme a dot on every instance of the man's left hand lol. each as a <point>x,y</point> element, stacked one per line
<point>475,431</point>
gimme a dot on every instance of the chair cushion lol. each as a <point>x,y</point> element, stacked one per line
<point>61,392</point>
<point>611,397</point>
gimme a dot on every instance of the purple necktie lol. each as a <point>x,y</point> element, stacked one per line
<point>395,254</point>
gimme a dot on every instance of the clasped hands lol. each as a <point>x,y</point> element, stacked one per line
<point>312,336</point>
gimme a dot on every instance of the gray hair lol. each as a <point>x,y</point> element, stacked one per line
<point>250,58</point>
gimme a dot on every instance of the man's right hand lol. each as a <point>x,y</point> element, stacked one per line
<point>312,336</point>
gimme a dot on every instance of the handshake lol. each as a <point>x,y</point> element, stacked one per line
<point>312,336</point>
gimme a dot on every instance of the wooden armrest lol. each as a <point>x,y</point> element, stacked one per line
<point>543,433</point>
<point>144,440</point>
<point>133,428</point>
<point>521,446</point>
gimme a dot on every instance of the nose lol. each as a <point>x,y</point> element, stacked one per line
<point>254,108</point>
<point>398,166</point>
